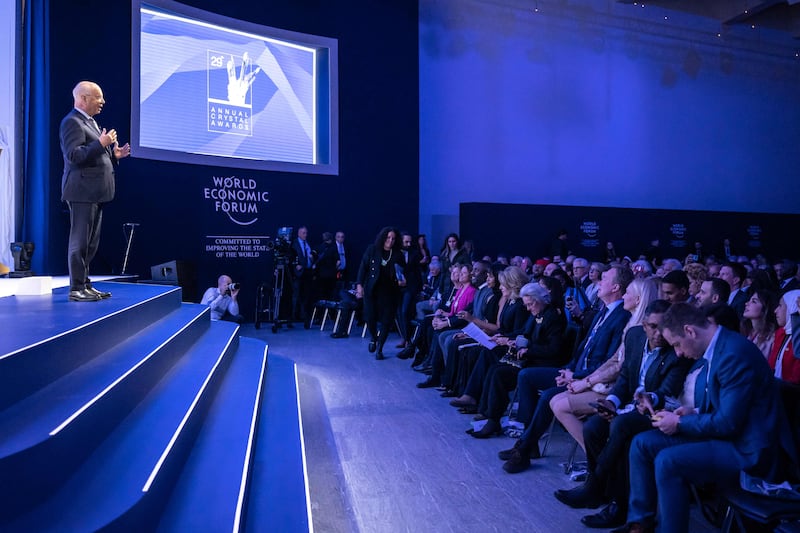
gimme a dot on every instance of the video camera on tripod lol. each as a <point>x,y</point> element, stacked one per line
<point>281,245</point>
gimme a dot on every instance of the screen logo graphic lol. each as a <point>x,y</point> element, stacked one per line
<point>230,93</point>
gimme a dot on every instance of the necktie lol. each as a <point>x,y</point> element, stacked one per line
<point>583,362</point>
<point>94,124</point>
<point>701,386</point>
<point>341,256</point>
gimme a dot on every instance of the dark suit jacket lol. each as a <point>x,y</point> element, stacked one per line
<point>743,406</point>
<point>88,166</point>
<point>412,272</point>
<point>664,377</point>
<point>739,300</point>
<point>370,268</point>
<point>325,264</point>
<point>545,335</point>
<point>299,257</point>
<point>605,342</point>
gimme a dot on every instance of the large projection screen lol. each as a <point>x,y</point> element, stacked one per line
<point>212,90</point>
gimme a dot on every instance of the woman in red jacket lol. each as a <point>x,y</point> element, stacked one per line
<point>783,359</point>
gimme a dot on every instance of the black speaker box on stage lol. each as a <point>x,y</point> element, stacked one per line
<point>181,273</point>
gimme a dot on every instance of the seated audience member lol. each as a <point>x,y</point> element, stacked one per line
<point>675,286</point>
<point>572,406</point>
<point>697,274</point>
<point>537,386</point>
<point>511,320</point>
<point>783,359</point>
<point>537,270</point>
<point>463,294</point>
<point>735,274</point>
<point>430,296</point>
<point>713,269</point>
<point>650,365</point>
<point>671,264</point>
<point>222,300</point>
<point>495,302</point>
<point>738,424</point>
<point>642,268</point>
<point>762,278</point>
<point>580,273</point>
<point>712,291</point>
<point>759,322</point>
<point>483,301</point>
<point>788,275</point>
<point>595,271</point>
<point>722,314</point>
<point>550,268</point>
<point>544,332</point>
<point>527,265</point>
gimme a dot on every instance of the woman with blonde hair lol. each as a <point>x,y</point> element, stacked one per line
<point>572,406</point>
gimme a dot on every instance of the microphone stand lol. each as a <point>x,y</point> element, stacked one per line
<point>132,227</point>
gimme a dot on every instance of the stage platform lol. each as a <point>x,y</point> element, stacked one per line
<point>138,413</point>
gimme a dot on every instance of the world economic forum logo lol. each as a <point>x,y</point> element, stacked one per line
<point>230,93</point>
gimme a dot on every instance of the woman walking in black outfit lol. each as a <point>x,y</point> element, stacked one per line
<point>379,280</point>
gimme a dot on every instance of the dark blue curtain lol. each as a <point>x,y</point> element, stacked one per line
<point>37,133</point>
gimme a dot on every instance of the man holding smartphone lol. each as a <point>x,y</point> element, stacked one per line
<point>650,365</point>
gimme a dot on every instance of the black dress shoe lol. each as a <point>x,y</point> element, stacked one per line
<point>406,353</point>
<point>490,429</point>
<point>469,410</point>
<point>379,355</point>
<point>448,394</point>
<point>372,346</point>
<point>582,497</point>
<point>505,455</point>
<point>306,325</point>
<point>339,335</point>
<point>100,294</point>
<point>427,384</point>
<point>610,516</point>
<point>83,296</point>
<point>518,462</point>
<point>462,403</point>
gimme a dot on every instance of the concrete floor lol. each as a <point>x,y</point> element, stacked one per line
<point>385,456</point>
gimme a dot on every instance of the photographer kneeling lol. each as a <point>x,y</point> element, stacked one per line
<point>222,300</point>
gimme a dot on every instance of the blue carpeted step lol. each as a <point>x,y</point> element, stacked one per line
<point>278,498</point>
<point>135,466</point>
<point>211,491</point>
<point>44,437</point>
<point>79,331</point>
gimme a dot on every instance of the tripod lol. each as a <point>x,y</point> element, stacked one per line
<point>279,302</point>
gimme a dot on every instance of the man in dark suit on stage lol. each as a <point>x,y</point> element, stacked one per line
<point>738,424</point>
<point>651,365</point>
<point>90,155</point>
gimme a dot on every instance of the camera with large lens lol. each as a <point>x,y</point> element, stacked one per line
<point>281,246</point>
<point>234,286</point>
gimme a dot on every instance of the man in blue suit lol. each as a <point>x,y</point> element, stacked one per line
<point>90,155</point>
<point>602,340</point>
<point>736,425</point>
